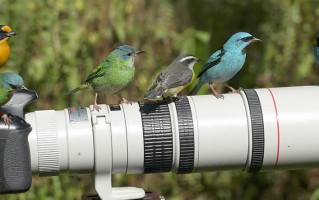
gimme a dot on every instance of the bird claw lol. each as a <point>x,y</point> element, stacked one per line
<point>235,91</point>
<point>96,107</point>
<point>170,99</point>
<point>126,101</point>
<point>219,96</point>
<point>216,94</point>
<point>232,90</point>
<point>176,99</point>
<point>6,119</point>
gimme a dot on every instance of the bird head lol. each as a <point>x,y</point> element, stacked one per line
<point>126,53</point>
<point>11,80</point>
<point>239,41</point>
<point>187,60</point>
<point>5,33</point>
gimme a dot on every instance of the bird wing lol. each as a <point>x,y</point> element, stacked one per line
<point>174,76</point>
<point>175,80</point>
<point>213,60</point>
<point>167,81</point>
<point>153,91</point>
<point>157,81</point>
<point>99,71</point>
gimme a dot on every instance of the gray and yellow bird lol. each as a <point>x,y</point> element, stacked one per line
<point>174,78</point>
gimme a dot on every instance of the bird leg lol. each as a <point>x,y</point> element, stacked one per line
<point>167,99</point>
<point>6,119</point>
<point>232,90</point>
<point>216,94</point>
<point>126,101</point>
<point>95,106</point>
<point>175,98</point>
<point>170,99</point>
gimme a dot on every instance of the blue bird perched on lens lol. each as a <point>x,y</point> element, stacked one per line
<point>9,82</point>
<point>225,63</point>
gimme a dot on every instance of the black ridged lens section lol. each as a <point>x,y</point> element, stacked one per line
<point>186,135</point>
<point>257,124</point>
<point>158,138</point>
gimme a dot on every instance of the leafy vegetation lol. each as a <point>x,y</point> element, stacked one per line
<point>60,41</point>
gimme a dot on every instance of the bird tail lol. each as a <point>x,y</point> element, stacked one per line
<point>197,87</point>
<point>154,93</point>
<point>81,87</point>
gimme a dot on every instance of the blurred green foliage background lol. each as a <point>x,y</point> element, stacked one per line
<point>60,41</point>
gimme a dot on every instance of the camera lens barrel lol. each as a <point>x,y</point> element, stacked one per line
<point>61,141</point>
<point>253,130</point>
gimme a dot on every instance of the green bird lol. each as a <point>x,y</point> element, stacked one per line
<point>112,74</point>
<point>174,78</point>
<point>9,82</point>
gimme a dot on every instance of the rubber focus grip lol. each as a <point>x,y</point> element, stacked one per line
<point>15,162</point>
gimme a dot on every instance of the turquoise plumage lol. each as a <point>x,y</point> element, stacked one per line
<point>9,82</point>
<point>225,63</point>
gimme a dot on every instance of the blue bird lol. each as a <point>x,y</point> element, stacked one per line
<point>9,82</point>
<point>225,63</point>
<point>315,47</point>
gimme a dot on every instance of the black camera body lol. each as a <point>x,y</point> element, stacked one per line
<point>15,161</point>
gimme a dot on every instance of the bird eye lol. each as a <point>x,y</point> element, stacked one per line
<point>129,54</point>
<point>247,39</point>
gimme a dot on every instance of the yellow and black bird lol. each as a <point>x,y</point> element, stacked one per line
<point>178,75</point>
<point>5,33</point>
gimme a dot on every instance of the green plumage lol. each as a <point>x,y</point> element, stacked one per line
<point>4,95</point>
<point>113,73</point>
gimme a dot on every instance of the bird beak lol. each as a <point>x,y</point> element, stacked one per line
<point>138,52</point>
<point>198,60</point>
<point>256,40</point>
<point>11,33</point>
